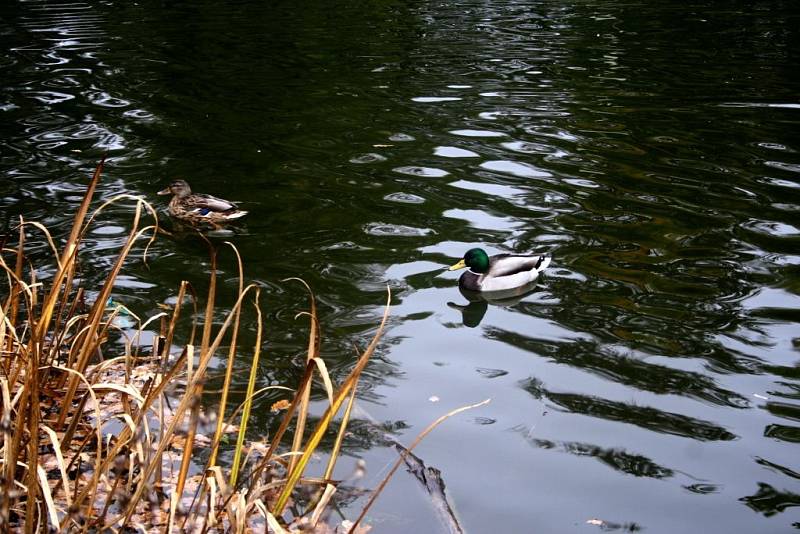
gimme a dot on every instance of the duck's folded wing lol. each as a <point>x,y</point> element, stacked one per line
<point>214,203</point>
<point>510,264</point>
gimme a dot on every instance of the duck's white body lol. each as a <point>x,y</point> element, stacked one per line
<point>502,272</point>
<point>506,272</point>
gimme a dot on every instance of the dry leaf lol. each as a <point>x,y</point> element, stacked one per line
<point>201,440</point>
<point>280,405</point>
<point>258,447</point>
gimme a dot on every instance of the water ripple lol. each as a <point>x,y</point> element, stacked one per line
<point>404,198</point>
<point>454,152</point>
<point>51,97</point>
<point>434,99</point>
<point>104,99</point>
<point>367,158</point>
<point>668,192</point>
<point>524,170</point>
<point>428,172</point>
<point>530,148</point>
<point>772,228</point>
<point>477,133</point>
<point>790,167</point>
<point>401,138</point>
<point>395,230</point>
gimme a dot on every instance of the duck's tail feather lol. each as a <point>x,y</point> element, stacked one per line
<point>235,215</point>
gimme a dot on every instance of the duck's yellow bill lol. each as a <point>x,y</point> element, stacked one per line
<point>460,265</point>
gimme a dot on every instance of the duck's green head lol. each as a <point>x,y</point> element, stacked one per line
<point>476,259</point>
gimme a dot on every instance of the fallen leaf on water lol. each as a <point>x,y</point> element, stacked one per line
<point>257,447</point>
<point>433,398</point>
<point>202,440</point>
<point>598,522</point>
<point>280,405</point>
<point>230,429</point>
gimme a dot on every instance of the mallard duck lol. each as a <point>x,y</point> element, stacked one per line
<point>499,273</point>
<point>197,208</point>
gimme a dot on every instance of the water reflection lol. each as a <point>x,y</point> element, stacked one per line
<point>478,302</point>
<point>620,460</point>
<point>649,150</point>
<point>645,417</point>
<point>770,501</point>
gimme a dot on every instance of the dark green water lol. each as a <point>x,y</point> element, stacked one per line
<point>650,380</point>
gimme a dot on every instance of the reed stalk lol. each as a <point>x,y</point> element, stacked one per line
<point>57,399</point>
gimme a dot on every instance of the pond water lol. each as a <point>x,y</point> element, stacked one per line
<point>650,380</point>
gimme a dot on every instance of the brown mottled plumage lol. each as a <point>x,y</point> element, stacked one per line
<point>196,208</point>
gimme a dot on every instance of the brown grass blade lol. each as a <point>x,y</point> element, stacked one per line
<point>327,417</point>
<point>92,485</point>
<point>9,452</point>
<point>187,452</point>
<point>95,316</point>
<point>205,358</point>
<point>62,467</point>
<point>276,439</point>
<point>31,405</point>
<point>173,321</point>
<point>212,293</point>
<point>47,236</point>
<point>251,385</point>
<point>67,262</point>
<point>330,489</point>
<point>337,445</point>
<point>403,455</point>
<point>52,512</point>
<point>313,352</point>
<point>223,402</point>
<point>326,378</point>
<point>274,525</point>
<point>17,273</point>
<point>124,438</point>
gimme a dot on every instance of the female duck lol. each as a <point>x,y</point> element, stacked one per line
<point>196,208</point>
<point>501,272</point>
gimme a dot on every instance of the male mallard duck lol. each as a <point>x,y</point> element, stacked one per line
<point>501,272</point>
<point>196,208</point>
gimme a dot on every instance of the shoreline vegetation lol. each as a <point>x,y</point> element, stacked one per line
<point>93,442</point>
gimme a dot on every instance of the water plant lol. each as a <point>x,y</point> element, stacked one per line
<point>91,441</point>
